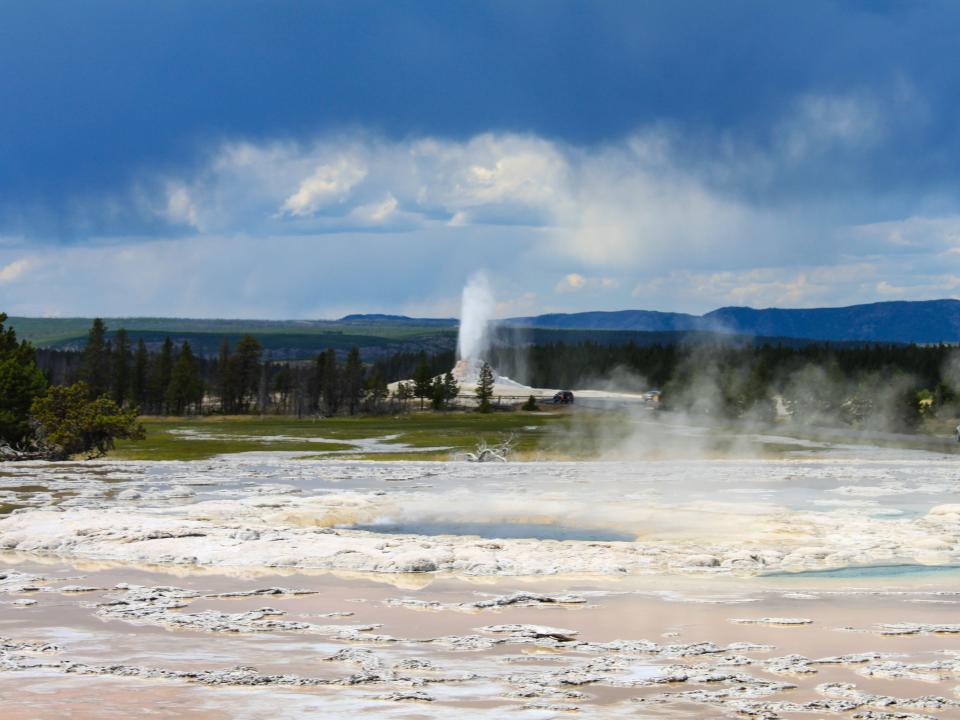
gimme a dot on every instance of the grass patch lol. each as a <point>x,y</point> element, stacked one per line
<point>565,434</point>
<point>218,435</point>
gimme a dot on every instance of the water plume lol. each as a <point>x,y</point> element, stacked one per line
<point>475,315</point>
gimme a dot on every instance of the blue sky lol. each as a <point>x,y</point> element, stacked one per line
<point>308,159</point>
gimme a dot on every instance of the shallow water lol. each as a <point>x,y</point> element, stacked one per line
<point>948,572</point>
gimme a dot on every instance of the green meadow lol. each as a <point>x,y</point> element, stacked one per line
<point>199,438</point>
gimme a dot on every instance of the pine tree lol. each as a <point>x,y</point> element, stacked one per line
<point>225,381</point>
<point>264,399</point>
<point>121,379</point>
<point>438,394</point>
<point>450,388</point>
<point>376,390</point>
<point>21,382</point>
<point>353,380</point>
<point>245,371</point>
<point>186,386</point>
<point>95,371</point>
<point>160,377</point>
<point>330,383</point>
<point>403,393</point>
<point>315,382</point>
<point>140,376</point>
<point>301,390</point>
<point>423,380</point>
<point>283,386</point>
<point>484,389</point>
<point>69,423</point>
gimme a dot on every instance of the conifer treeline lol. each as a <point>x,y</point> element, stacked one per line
<point>175,381</point>
<point>570,365</point>
<point>822,381</point>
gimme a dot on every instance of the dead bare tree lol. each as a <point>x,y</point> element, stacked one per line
<point>492,453</point>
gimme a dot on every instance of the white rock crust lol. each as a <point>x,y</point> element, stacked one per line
<point>271,536</point>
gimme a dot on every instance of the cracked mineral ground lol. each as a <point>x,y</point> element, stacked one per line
<point>824,583</point>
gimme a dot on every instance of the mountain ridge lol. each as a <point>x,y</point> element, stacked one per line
<point>917,321</point>
<point>900,321</point>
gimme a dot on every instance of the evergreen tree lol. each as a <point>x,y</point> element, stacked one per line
<point>283,386</point>
<point>185,388</point>
<point>95,371</point>
<point>263,388</point>
<point>315,382</point>
<point>245,372</point>
<point>301,391</point>
<point>377,391</point>
<point>423,380</point>
<point>121,375</point>
<point>484,389</point>
<point>140,376</point>
<point>330,383</point>
<point>403,393</point>
<point>353,380</point>
<point>160,377</point>
<point>225,380</point>
<point>450,388</point>
<point>21,382</point>
<point>69,423</point>
<point>438,396</point>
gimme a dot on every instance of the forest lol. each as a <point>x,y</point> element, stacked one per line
<point>882,385</point>
<point>893,386</point>
<point>173,380</point>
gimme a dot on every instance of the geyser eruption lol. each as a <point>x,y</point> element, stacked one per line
<point>473,341</point>
<point>476,312</point>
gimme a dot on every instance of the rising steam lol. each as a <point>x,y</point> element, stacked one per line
<point>475,316</point>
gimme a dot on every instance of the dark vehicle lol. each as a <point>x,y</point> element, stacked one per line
<point>564,397</point>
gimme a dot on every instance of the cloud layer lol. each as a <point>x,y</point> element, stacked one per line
<point>300,160</point>
<point>357,222</point>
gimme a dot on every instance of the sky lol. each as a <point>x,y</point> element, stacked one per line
<point>279,159</point>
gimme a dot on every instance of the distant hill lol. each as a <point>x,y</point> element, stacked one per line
<point>379,319</point>
<point>375,335</point>
<point>926,321</point>
<point>929,321</point>
<point>643,320</point>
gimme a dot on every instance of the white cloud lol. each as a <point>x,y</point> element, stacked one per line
<point>821,123</point>
<point>925,233</point>
<point>685,218</point>
<point>14,270</point>
<point>329,183</point>
<point>571,283</point>
<point>575,282</point>
<point>376,213</point>
<point>180,207</point>
<point>623,204</point>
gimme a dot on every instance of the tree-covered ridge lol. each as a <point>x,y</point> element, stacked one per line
<point>286,339</point>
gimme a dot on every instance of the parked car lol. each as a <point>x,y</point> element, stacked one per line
<point>564,397</point>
